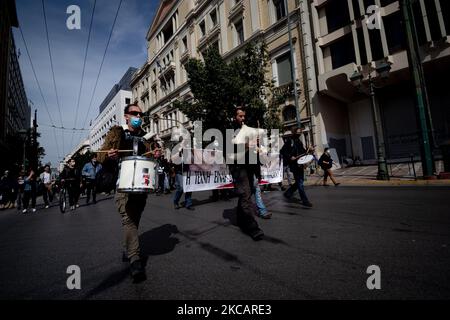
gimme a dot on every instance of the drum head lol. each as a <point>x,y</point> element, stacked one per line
<point>305,159</point>
<point>132,158</point>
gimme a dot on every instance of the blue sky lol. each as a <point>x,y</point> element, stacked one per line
<point>127,48</point>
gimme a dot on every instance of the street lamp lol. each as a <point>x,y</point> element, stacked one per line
<point>357,79</point>
<point>23,134</point>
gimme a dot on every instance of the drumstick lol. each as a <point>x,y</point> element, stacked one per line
<point>120,151</point>
<point>151,152</point>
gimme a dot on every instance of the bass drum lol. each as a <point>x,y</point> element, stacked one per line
<point>137,175</point>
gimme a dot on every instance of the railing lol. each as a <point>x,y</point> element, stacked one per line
<point>285,90</point>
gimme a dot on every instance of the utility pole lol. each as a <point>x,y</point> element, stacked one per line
<point>294,78</point>
<point>34,160</point>
<point>416,70</point>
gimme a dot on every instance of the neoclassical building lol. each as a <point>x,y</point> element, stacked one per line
<point>340,42</point>
<point>185,28</point>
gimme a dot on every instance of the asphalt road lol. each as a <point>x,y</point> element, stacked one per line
<point>318,253</point>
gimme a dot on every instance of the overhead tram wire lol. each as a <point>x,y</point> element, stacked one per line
<point>40,90</point>
<point>82,74</point>
<point>63,128</point>
<point>53,71</point>
<point>101,65</point>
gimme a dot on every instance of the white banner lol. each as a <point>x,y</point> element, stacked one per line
<point>201,177</point>
<point>272,170</point>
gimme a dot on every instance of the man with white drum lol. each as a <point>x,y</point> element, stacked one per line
<point>295,151</point>
<point>129,205</point>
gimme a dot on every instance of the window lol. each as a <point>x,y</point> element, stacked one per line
<point>168,31</point>
<point>376,45</point>
<point>202,28</point>
<point>213,16</point>
<point>356,11</point>
<point>239,27</point>
<point>342,51</point>
<point>284,69</point>
<point>280,9</point>
<point>394,32</point>
<point>384,3</point>
<point>362,46</point>
<point>289,113</point>
<point>433,20</point>
<point>445,7</point>
<point>184,44</point>
<point>127,101</point>
<point>420,26</point>
<point>337,14</point>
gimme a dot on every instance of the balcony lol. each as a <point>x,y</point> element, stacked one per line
<point>285,90</point>
<point>236,10</point>
<point>210,37</point>
<point>167,69</point>
<point>184,56</point>
<point>144,94</point>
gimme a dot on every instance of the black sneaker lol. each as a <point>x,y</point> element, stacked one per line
<point>256,234</point>
<point>176,206</point>
<point>137,271</point>
<point>307,204</point>
<point>190,208</point>
<point>267,215</point>
<point>289,197</point>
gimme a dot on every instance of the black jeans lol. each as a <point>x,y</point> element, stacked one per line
<point>298,185</point>
<point>91,186</point>
<point>246,210</point>
<point>27,195</point>
<point>74,194</point>
<point>47,194</point>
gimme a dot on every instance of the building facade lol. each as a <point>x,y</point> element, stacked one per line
<point>184,29</point>
<point>341,42</point>
<point>111,110</point>
<point>15,113</point>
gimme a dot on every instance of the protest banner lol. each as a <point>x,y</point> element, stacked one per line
<point>202,176</point>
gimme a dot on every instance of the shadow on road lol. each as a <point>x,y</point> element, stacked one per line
<point>159,240</point>
<point>111,281</point>
<point>231,215</point>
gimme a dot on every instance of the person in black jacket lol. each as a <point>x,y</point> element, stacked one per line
<point>326,162</point>
<point>71,177</point>
<point>295,151</point>
<point>243,178</point>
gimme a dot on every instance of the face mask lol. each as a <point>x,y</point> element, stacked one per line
<point>135,122</point>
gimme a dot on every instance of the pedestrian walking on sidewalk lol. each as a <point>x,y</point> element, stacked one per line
<point>326,163</point>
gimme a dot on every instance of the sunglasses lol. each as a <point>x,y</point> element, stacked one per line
<point>136,113</point>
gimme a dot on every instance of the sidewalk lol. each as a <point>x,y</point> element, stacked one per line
<point>366,176</point>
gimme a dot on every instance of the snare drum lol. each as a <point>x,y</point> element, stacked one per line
<point>137,175</point>
<point>305,159</point>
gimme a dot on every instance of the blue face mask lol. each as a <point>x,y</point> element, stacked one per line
<point>136,122</point>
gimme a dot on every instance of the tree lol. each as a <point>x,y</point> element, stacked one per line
<point>218,87</point>
<point>82,159</point>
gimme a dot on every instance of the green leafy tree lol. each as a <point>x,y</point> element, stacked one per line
<point>218,87</point>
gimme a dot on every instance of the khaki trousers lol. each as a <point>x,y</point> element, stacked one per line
<point>130,207</point>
